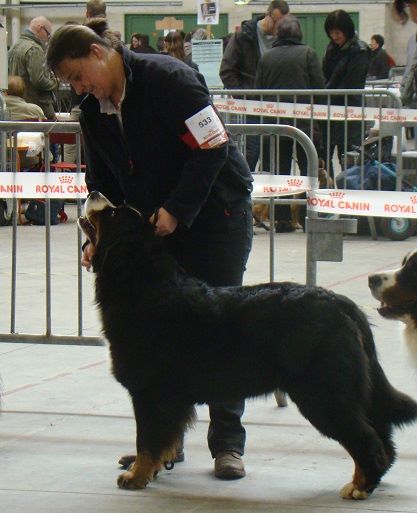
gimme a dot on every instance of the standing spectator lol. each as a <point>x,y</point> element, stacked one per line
<point>200,191</point>
<point>27,60</point>
<point>139,43</point>
<point>241,57</point>
<point>289,65</point>
<point>246,47</point>
<point>174,46</point>
<point>345,66</point>
<point>378,63</point>
<point>95,9</point>
<point>408,83</point>
<point>160,44</point>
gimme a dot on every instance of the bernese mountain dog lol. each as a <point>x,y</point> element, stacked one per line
<point>176,341</point>
<point>396,289</point>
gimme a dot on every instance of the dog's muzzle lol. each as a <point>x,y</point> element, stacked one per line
<point>96,202</point>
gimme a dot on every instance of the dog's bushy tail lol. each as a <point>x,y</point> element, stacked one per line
<point>397,407</point>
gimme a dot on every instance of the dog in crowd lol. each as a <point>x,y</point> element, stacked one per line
<point>298,212</point>
<point>176,341</point>
<point>397,291</point>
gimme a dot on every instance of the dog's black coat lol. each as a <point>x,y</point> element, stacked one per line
<point>175,342</point>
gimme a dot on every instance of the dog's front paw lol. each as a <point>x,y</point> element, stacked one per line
<point>128,481</point>
<point>352,492</point>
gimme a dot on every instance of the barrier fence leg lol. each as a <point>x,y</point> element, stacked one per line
<point>325,242</point>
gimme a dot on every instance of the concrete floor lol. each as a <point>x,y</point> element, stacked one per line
<point>65,420</point>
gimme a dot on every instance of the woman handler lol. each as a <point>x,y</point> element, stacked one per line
<point>153,139</point>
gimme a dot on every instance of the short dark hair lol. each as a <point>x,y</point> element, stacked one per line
<point>144,39</point>
<point>160,43</point>
<point>288,27</point>
<point>96,8</point>
<point>379,40</point>
<point>340,20</point>
<point>278,4</point>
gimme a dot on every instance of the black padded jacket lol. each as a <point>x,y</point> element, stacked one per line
<point>153,164</point>
<point>241,57</point>
<point>346,67</point>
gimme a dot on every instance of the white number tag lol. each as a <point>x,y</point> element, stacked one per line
<point>206,128</point>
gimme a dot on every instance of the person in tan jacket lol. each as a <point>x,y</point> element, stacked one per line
<point>17,107</point>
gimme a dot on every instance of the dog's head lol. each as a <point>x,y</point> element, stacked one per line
<point>108,226</point>
<point>397,290</point>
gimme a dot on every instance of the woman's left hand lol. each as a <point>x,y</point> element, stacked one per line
<point>165,223</point>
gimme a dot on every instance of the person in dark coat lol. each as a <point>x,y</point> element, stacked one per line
<point>345,66</point>
<point>240,60</point>
<point>139,43</point>
<point>290,64</point>
<point>247,45</point>
<point>379,63</point>
<point>152,138</point>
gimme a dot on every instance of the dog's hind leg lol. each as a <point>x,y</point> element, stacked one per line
<point>159,426</point>
<point>370,457</point>
<point>345,421</point>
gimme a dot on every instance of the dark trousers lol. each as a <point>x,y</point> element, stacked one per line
<point>337,139</point>
<point>253,144</point>
<point>216,250</point>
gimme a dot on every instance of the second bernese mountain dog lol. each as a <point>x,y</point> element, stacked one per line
<point>396,289</point>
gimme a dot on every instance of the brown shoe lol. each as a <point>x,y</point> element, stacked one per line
<point>229,465</point>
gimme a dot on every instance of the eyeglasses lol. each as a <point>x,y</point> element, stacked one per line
<point>48,34</point>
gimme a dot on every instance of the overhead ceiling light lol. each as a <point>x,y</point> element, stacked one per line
<point>242,2</point>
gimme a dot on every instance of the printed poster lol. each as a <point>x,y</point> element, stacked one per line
<point>207,12</point>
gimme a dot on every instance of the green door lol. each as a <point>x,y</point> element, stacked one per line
<point>145,24</point>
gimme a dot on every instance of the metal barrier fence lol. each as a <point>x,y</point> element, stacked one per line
<point>366,127</point>
<point>10,162</point>
<point>48,336</point>
<point>319,113</point>
<point>324,237</point>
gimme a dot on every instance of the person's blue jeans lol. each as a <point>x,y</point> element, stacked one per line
<point>216,250</point>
